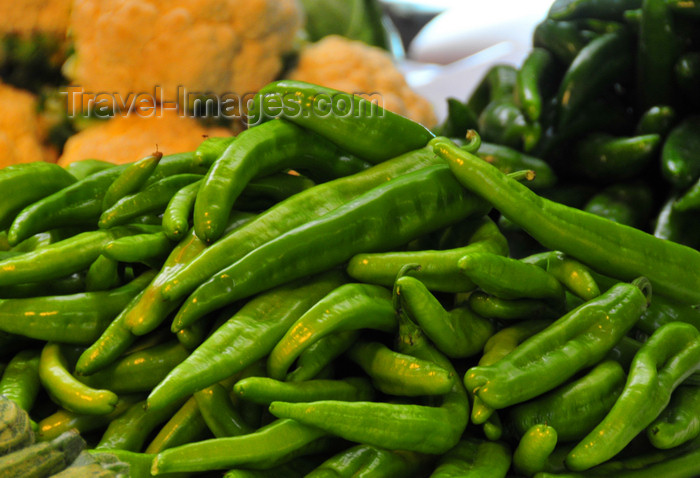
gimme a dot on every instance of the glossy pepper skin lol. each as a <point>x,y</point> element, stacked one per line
<point>249,335</point>
<point>383,218</point>
<point>573,409</point>
<point>597,66</point>
<point>334,115</point>
<point>534,448</point>
<point>679,422</point>
<point>670,355</point>
<point>438,268</point>
<point>266,444</point>
<point>367,460</point>
<point>131,179</point>
<point>349,307</point>
<point>579,339</point>
<point>610,248</point>
<point>287,215</point>
<point>45,179</point>
<point>20,380</point>
<point>399,374</point>
<point>264,390</point>
<point>257,152</point>
<point>73,319</point>
<point>457,333</point>
<point>474,458</point>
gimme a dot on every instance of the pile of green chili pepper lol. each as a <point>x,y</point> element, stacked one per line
<point>334,296</point>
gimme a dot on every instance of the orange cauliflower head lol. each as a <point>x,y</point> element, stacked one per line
<point>21,130</point>
<point>355,67</point>
<point>124,139</point>
<point>214,46</point>
<point>34,16</point>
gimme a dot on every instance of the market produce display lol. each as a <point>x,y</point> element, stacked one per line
<point>339,291</point>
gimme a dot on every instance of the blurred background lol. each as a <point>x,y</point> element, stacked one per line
<point>98,78</point>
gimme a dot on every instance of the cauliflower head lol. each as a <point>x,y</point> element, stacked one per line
<point>26,17</point>
<point>355,67</point>
<point>213,46</point>
<point>21,130</point>
<point>124,139</point>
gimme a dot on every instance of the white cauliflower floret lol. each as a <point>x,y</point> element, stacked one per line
<point>34,16</point>
<point>355,67</point>
<point>21,131</point>
<point>215,46</point>
<point>124,139</point>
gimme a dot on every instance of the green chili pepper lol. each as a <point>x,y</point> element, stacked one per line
<point>677,226</point>
<point>267,444</point>
<point>687,73</point>
<point>75,205</point>
<point>498,346</point>
<point>317,356</point>
<point>629,204</point>
<point>63,420</point>
<point>661,311</point>
<point>59,259</point>
<point>474,458</point>
<point>458,333</point>
<point>151,309</point>
<point>349,307</point>
<point>603,9</point>
<point>67,390</point>
<point>602,157</point>
<point>211,148</point>
<point>607,247</point>
<point>460,118</point>
<point>598,65</point>
<point>690,200</point>
<point>139,371</point>
<point>130,430</point>
<point>439,271</point>
<point>657,52</point>
<point>139,248</point>
<point>535,79</point>
<point>130,179</point>
<point>177,212</point>
<point>504,123</point>
<point>187,425</point>
<point>670,355</point>
<point>509,160</point>
<point>572,274</point>
<point>334,115</point>
<point>573,409</point>
<point>510,278</point>
<point>77,319</point>
<point>153,198</point>
<point>399,374</point>
<point>263,390</point>
<point>192,336</point>
<point>245,338</point>
<point>563,39</point>
<point>534,448</point>
<point>417,428</point>
<point>656,120</point>
<point>367,460</point>
<point>420,202</point>
<point>579,339</point>
<point>139,463</point>
<point>87,167</point>
<point>20,380</point>
<point>220,415</point>
<point>680,420</point>
<point>289,214</point>
<point>176,164</point>
<point>259,151</point>
<point>103,274</point>
<point>491,307</point>
<point>15,181</point>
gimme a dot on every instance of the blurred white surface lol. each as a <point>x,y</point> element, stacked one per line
<point>453,51</point>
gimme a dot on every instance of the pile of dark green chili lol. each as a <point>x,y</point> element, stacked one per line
<point>327,294</point>
<point>609,98</point>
